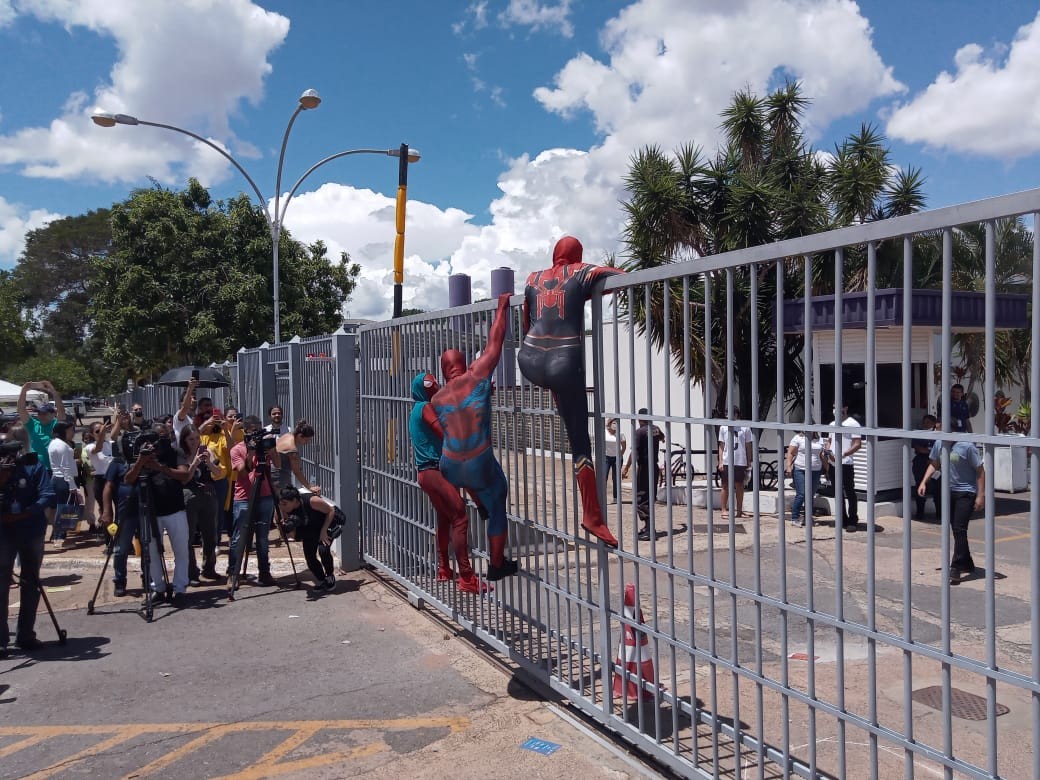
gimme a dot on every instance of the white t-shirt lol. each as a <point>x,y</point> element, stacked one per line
<point>839,445</point>
<point>179,425</point>
<point>612,443</point>
<point>63,461</point>
<point>814,447</point>
<point>741,438</point>
<point>99,460</point>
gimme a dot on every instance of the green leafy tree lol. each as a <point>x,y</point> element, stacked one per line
<point>14,345</point>
<point>188,280</point>
<point>53,275</point>
<point>765,183</point>
<point>69,376</point>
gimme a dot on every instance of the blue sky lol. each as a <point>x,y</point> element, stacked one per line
<point>526,111</point>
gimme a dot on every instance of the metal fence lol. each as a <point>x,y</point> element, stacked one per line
<point>770,650</point>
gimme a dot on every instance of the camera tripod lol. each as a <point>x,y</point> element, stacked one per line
<point>241,550</point>
<point>62,635</point>
<point>146,530</point>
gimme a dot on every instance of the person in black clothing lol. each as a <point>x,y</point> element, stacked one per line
<point>167,479</point>
<point>119,505</point>
<point>200,502</point>
<point>645,446</point>
<point>919,465</point>
<point>25,491</point>
<point>314,516</point>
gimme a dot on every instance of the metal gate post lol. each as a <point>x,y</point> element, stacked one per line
<point>295,380</point>
<point>348,467</point>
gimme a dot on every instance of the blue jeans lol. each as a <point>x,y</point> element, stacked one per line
<point>61,496</point>
<point>262,530</point>
<point>124,542</point>
<point>799,491</point>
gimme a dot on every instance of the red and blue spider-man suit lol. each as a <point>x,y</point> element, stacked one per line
<point>552,356</point>
<point>452,521</point>
<point>463,408</point>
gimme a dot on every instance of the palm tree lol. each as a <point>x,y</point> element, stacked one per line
<point>765,183</point>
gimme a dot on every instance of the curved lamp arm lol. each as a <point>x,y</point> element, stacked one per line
<point>227,156</point>
<point>330,158</point>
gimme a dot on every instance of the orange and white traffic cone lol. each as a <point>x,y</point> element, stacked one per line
<point>634,653</point>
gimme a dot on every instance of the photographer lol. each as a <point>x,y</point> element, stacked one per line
<point>157,457</point>
<point>245,463</point>
<point>25,491</point>
<point>301,434</point>
<point>200,502</point>
<point>312,517</point>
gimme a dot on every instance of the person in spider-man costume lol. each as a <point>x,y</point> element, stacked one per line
<point>552,356</point>
<point>463,408</point>
<point>452,523</point>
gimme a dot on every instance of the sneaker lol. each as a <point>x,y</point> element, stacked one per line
<point>179,600</point>
<point>644,535</point>
<point>851,526</point>
<point>330,583</point>
<point>445,574</point>
<point>58,544</point>
<point>120,589</point>
<point>195,582</point>
<point>3,652</point>
<point>29,643</point>
<point>472,584</point>
<point>955,576</point>
<point>507,569</point>
<point>266,580</point>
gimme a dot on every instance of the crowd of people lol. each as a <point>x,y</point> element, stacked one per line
<point>191,473</point>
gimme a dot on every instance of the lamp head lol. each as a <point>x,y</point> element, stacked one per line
<point>414,155</point>
<point>310,99</point>
<point>104,119</point>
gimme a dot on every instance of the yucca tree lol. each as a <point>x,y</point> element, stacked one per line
<point>764,184</point>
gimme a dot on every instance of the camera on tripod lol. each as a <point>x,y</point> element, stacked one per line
<point>261,440</point>
<point>137,443</point>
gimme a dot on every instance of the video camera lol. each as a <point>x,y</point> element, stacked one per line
<point>137,443</point>
<point>261,440</point>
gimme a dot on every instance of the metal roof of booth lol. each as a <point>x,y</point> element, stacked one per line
<point>968,310</point>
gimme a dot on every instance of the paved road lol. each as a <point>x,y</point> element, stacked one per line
<point>274,684</point>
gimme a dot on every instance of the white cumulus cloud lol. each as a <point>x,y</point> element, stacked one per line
<point>988,105</point>
<point>361,223</point>
<point>539,15</point>
<point>15,222</point>
<point>170,52</point>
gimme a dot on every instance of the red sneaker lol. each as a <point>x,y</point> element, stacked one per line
<point>445,574</point>
<point>473,584</point>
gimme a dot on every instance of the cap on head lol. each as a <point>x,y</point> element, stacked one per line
<point>567,251</point>
<point>453,364</point>
<point>47,408</point>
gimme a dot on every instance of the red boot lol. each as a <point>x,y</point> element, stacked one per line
<point>500,565</point>
<point>472,584</point>
<point>444,571</point>
<point>460,542</point>
<point>591,514</point>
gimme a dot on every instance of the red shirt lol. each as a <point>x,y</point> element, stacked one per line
<point>243,479</point>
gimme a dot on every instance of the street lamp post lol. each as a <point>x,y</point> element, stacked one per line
<point>308,100</point>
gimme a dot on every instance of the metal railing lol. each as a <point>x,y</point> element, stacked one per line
<point>769,650</point>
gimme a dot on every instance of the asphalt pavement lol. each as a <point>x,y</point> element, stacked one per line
<point>277,683</point>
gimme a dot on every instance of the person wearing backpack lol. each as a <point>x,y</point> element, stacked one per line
<point>317,523</point>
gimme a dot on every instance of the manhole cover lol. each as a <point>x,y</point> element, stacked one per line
<point>715,528</point>
<point>964,705</point>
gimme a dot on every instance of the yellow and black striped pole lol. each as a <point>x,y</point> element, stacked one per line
<point>402,200</point>
<point>395,364</point>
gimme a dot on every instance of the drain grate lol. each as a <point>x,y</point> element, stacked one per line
<point>964,705</point>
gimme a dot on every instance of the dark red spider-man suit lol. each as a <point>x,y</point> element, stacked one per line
<point>463,408</point>
<point>552,356</point>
